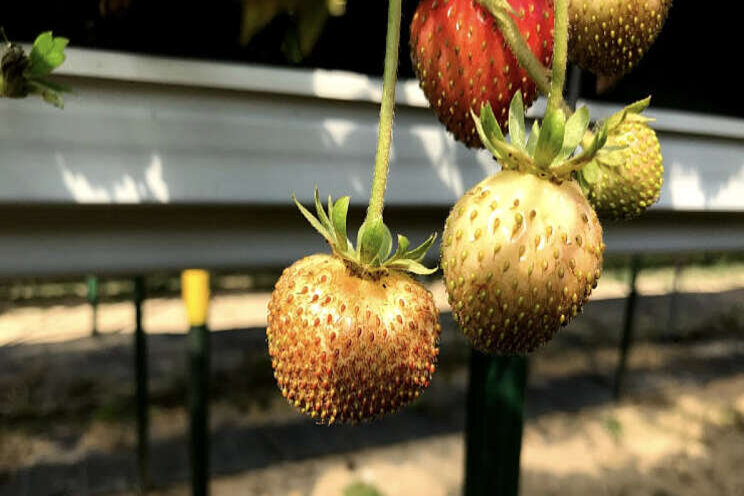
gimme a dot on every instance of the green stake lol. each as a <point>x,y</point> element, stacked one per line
<point>493,434</point>
<point>91,283</point>
<point>627,338</point>
<point>195,289</point>
<point>141,374</point>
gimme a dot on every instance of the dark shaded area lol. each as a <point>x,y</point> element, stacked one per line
<point>690,66</point>
<point>58,390</point>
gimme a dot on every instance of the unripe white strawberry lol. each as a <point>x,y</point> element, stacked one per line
<point>521,255</point>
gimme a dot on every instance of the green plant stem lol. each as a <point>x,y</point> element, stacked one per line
<point>385,135</point>
<point>518,45</point>
<point>560,55</point>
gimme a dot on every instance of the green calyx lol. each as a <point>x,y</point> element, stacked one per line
<point>374,241</point>
<point>608,157</point>
<point>21,74</point>
<point>549,145</point>
<point>558,146</point>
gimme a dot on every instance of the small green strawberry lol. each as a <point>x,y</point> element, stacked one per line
<point>627,179</point>
<point>462,61</point>
<point>609,37</point>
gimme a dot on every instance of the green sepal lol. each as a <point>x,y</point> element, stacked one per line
<point>585,186</point>
<point>374,241</point>
<point>411,266</point>
<point>338,217</point>
<point>575,128</point>
<point>516,121</point>
<point>402,249</point>
<point>508,155</point>
<point>488,129</point>
<point>550,141</point>
<point>608,157</point>
<point>314,221</point>
<point>418,253</point>
<point>532,140</point>
<point>591,172</point>
<point>50,92</point>
<point>634,109</point>
<point>588,153</point>
<point>639,106</point>
<point>322,215</point>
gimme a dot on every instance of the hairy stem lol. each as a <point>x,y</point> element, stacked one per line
<point>560,55</point>
<point>518,45</point>
<point>385,135</point>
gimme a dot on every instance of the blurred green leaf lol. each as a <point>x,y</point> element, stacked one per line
<point>47,53</point>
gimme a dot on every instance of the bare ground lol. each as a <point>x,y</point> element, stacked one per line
<point>67,426</point>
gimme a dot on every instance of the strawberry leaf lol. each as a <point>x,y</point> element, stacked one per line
<point>47,53</point>
<point>516,121</point>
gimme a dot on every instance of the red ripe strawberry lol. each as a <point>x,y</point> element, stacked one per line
<point>462,60</point>
<point>348,346</point>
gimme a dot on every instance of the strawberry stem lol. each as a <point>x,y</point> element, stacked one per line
<point>385,135</point>
<point>560,55</point>
<point>518,45</point>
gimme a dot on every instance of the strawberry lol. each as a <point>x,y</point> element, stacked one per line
<point>627,181</point>
<point>521,254</point>
<point>352,339</point>
<point>609,37</point>
<point>462,61</point>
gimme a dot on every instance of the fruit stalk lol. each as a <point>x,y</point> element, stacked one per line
<point>560,55</point>
<point>385,134</point>
<point>518,46</point>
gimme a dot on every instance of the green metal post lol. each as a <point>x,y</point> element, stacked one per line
<point>92,290</point>
<point>627,337</point>
<point>495,419</point>
<point>141,375</point>
<point>195,289</point>
<point>198,407</point>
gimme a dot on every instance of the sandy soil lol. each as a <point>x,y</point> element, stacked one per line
<point>247,310</point>
<point>67,424</point>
